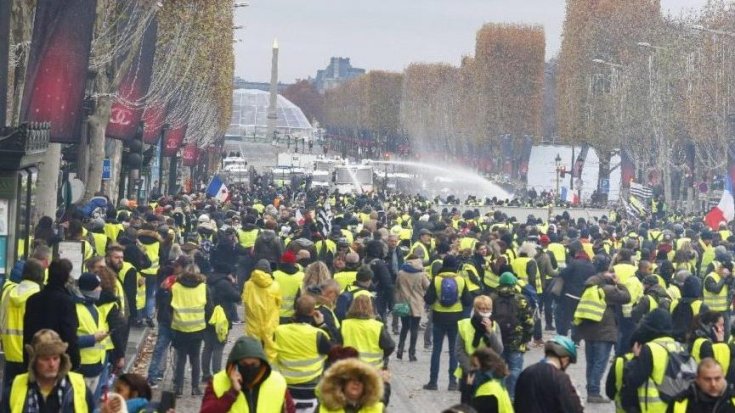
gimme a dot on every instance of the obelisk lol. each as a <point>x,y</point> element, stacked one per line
<point>272,112</point>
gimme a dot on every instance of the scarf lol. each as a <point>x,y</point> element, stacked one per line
<point>64,394</point>
<point>480,331</point>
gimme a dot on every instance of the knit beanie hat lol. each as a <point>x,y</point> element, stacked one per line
<point>88,282</point>
<point>288,257</point>
<point>655,324</point>
<point>246,347</point>
<point>450,263</point>
<point>263,265</point>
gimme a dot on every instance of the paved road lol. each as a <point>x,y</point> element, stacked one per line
<point>408,379</point>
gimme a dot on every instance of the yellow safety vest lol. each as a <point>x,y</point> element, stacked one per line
<point>619,366</point>
<point>467,243</point>
<point>681,406</point>
<point>345,278</point>
<point>716,302</point>
<point>12,331</point>
<point>467,332</point>
<point>708,255</point>
<point>419,245</point>
<point>100,243</point>
<point>188,304</point>
<point>635,288</point>
<point>681,241</point>
<point>298,358</point>
<point>591,305</point>
<point>496,387</point>
<point>326,245</point>
<point>151,250</point>
<point>364,335</point>
<point>491,279</point>
<point>106,308</point>
<point>724,234</point>
<point>559,252</point>
<point>648,396</point>
<point>624,271</point>
<point>405,234</point>
<point>140,291</point>
<point>112,231</point>
<point>290,286</point>
<point>456,307</point>
<point>721,352</point>
<point>271,393</point>
<point>247,238</point>
<point>19,393</point>
<point>519,266</point>
<point>465,273</point>
<point>96,353</point>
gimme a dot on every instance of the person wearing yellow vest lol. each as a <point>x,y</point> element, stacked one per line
<point>97,236</point>
<point>597,326</point>
<point>12,311</point>
<point>614,381</point>
<point>302,349</point>
<point>130,279</point>
<point>476,332</point>
<point>422,247</point>
<point>48,382</point>
<point>249,232</point>
<point>75,233</point>
<point>718,288</point>
<point>654,296</point>
<point>643,375</point>
<point>546,271</point>
<point>351,385</point>
<point>290,279</point>
<point>447,295</point>
<point>548,381</point>
<point>623,265</point>
<point>706,251</point>
<point>709,333</point>
<point>262,302</point>
<point>150,242</point>
<point>94,327</point>
<point>369,336</point>
<point>192,309</point>
<point>247,384</point>
<point>710,392</point>
<point>488,392</point>
<point>347,275</point>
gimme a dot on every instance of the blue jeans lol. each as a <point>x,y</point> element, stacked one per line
<point>597,355</point>
<point>514,360</point>
<point>440,330</point>
<point>150,297</point>
<point>158,359</point>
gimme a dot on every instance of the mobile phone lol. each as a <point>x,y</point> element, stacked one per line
<point>168,401</point>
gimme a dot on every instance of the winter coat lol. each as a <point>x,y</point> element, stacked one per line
<point>262,299</point>
<point>63,319</point>
<point>606,329</point>
<point>575,275</point>
<point>224,293</point>
<point>411,285</point>
<point>330,388</point>
<point>267,246</point>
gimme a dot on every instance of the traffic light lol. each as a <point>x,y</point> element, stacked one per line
<point>133,150</point>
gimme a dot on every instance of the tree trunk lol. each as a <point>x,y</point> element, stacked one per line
<point>97,123</point>
<point>48,182</point>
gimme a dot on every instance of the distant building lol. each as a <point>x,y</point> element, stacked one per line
<point>339,71</point>
<point>240,83</point>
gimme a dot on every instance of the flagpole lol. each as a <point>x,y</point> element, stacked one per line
<point>4,56</point>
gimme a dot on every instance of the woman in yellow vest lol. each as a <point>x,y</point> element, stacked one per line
<point>191,310</point>
<point>351,385</point>
<point>290,279</point>
<point>247,384</point>
<point>709,341</point>
<point>489,393</point>
<point>111,302</point>
<point>369,336</point>
<point>478,331</point>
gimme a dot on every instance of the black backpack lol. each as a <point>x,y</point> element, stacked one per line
<point>505,313</point>
<point>681,370</point>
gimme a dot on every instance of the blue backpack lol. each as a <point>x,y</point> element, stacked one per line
<point>448,292</point>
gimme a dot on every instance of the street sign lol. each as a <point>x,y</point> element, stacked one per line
<point>106,169</point>
<point>604,186</point>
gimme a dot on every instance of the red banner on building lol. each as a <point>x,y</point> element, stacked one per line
<point>127,109</point>
<point>57,66</point>
<point>174,139</point>
<point>153,118</point>
<point>190,155</point>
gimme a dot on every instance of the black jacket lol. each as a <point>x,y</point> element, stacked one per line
<point>224,293</point>
<point>575,275</point>
<point>699,402</point>
<point>546,389</point>
<point>53,308</point>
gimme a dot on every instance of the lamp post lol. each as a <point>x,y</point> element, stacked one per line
<point>557,162</point>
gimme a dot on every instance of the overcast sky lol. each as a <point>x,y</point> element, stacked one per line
<point>382,34</point>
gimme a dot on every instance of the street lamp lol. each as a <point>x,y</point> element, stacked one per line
<point>606,63</point>
<point>238,27</point>
<point>237,5</point>
<point>559,169</point>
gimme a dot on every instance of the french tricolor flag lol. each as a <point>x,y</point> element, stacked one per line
<point>725,210</point>
<point>218,190</point>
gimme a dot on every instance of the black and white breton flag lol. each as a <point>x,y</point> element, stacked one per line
<point>640,191</point>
